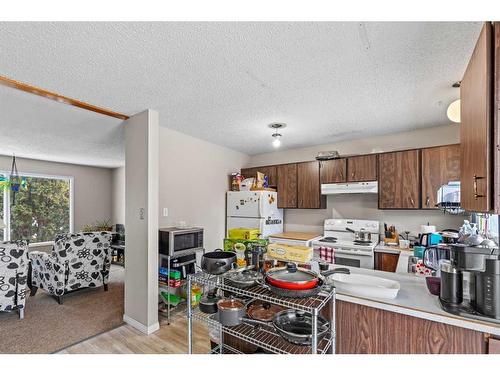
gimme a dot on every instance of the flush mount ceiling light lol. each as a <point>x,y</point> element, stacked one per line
<point>276,136</point>
<point>453,111</point>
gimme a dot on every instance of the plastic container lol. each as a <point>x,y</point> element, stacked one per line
<point>418,251</point>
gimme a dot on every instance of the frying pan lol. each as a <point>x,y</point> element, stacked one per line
<point>294,326</point>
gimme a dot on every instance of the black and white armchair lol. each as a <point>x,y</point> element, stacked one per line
<point>13,276</point>
<point>77,261</point>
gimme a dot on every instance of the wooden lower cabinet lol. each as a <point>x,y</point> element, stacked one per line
<point>366,330</point>
<point>387,262</point>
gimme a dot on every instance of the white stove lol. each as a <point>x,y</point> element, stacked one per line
<point>338,245</point>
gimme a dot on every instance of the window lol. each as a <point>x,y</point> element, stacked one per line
<point>40,210</point>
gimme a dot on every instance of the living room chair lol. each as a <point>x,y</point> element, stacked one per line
<point>77,261</point>
<point>13,276</point>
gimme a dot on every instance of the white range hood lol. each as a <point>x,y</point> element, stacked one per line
<point>350,188</point>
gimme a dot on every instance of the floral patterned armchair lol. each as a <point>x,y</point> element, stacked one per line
<point>78,260</point>
<point>13,276</point>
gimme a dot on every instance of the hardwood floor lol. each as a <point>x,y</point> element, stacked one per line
<point>169,339</point>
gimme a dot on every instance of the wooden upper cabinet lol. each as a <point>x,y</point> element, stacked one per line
<point>440,165</point>
<point>362,168</point>
<point>333,171</point>
<point>476,127</point>
<point>399,180</point>
<point>308,186</point>
<point>287,185</point>
<point>269,171</point>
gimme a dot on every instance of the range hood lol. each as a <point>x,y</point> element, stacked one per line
<point>350,188</point>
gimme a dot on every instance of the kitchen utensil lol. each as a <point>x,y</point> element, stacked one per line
<point>295,326</point>
<point>404,244</point>
<point>451,284</point>
<point>244,277</point>
<point>218,262</point>
<point>208,303</point>
<point>361,235</point>
<point>450,236</point>
<point>433,284</point>
<point>263,311</point>
<point>365,285</point>
<point>292,277</point>
<point>230,311</point>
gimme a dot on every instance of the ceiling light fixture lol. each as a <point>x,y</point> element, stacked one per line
<point>277,136</point>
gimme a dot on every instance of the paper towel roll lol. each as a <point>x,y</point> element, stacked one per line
<point>427,229</point>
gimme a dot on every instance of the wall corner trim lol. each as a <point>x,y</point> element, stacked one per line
<point>141,327</point>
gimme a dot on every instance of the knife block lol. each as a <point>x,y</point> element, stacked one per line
<point>393,239</point>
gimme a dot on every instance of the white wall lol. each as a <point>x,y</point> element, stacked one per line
<point>92,186</point>
<point>365,206</point>
<point>141,221</point>
<point>118,181</point>
<point>194,181</point>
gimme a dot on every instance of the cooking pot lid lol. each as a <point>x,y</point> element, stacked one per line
<point>292,273</point>
<point>245,275</point>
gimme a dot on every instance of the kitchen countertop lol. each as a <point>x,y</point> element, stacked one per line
<point>298,236</point>
<point>383,248</point>
<point>414,299</point>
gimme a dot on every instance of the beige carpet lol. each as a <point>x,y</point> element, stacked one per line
<point>48,327</point>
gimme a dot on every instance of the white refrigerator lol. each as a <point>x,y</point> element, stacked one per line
<point>254,209</point>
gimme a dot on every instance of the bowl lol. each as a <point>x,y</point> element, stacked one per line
<point>433,284</point>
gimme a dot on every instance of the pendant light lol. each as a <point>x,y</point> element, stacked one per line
<point>276,136</point>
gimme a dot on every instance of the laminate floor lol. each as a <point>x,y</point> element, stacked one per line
<point>169,339</point>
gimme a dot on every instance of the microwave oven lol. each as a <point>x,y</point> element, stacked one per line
<point>176,242</point>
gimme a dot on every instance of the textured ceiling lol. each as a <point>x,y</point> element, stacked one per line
<point>224,82</point>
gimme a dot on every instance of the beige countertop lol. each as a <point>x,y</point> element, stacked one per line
<point>298,236</point>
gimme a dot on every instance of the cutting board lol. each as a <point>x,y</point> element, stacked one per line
<point>300,236</point>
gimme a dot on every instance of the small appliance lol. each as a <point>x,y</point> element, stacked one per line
<point>254,209</point>
<point>470,282</point>
<point>175,241</point>
<point>338,244</point>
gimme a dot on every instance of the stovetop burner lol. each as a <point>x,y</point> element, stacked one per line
<point>361,242</point>
<point>328,239</point>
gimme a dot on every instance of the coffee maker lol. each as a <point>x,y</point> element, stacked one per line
<point>470,282</point>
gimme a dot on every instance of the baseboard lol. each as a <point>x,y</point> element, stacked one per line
<point>141,327</point>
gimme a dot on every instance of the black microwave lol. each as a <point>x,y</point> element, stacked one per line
<point>179,241</point>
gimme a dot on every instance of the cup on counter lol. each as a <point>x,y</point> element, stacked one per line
<point>418,251</point>
<point>404,244</point>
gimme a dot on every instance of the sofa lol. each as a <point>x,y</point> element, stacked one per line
<point>77,261</point>
<point>13,276</point>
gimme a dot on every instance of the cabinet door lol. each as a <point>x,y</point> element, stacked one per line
<point>496,120</point>
<point>287,185</point>
<point>332,171</point>
<point>476,133</point>
<point>308,186</point>
<point>362,168</point>
<point>399,180</point>
<point>387,262</point>
<point>440,165</point>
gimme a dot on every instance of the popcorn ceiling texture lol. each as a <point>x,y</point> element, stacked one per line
<point>224,82</point>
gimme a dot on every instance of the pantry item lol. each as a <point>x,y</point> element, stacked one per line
<point>230,311</point>
<point>218,262</point>
<point>254,256</point>
<point>290,253</point>
<point>244,233</point>
<point>236,179</point>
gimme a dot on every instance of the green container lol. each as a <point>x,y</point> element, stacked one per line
<point>231,244</point>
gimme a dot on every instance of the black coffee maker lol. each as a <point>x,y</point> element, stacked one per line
<point>470,282</point>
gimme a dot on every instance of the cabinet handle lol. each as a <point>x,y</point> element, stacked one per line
<point>427,201</point>
<point>475,178</point>
<point>412,201</point>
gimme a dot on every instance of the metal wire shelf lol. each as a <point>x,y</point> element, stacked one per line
<point>263,337</point>
<point>226,349</point>
<point>310,304</point>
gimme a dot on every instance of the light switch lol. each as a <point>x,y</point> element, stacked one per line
<point>165,212</point>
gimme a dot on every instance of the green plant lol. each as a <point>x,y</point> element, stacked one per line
<point>98,226</point>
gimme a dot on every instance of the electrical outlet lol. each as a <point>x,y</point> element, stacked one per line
<point>165,212</point>
<point>141,213</point>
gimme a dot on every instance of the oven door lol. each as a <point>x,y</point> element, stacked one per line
<point>186,241</point>
<point>363,260</point>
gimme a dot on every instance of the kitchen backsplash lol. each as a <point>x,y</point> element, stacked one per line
<point>365,206</point>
